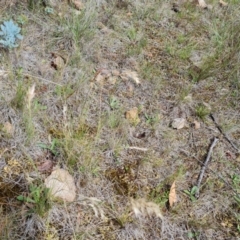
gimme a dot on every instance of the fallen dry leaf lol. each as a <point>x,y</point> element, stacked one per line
<point>78,4</point>
<point>30,95</point>
<point>222,3</point>
<point>131,74</point>
<point>132,115</point>
<point>8,128</point>
<point>3,73</point>
<point>178,123</point>
<point>112,80</point>
<point>58,62</point>
<point>196,124</point>
<point>61,185</point>
<point>143,208</point>
<point>188,98</point>
<point>116,73</point>
<point>45,166</point>
<point>129,14</point>
<point>100,78</point>
<point>202,3</point>
<point>172,194</point>
<point>102,75</point>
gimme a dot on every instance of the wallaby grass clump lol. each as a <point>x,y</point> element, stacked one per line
<point>74,115</point>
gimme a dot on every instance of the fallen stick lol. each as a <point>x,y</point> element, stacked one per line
<point>214,172</point>
<point>204,166</point>
<point>224,134</point>
<point>137,148</point>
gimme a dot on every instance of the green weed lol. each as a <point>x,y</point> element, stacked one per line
<point>114,119</point>
<point>34,5</point>
<point>64,91</point>
<point>38,199</point>
<point>202,111</point>
<point>132,34</point>
<point>113,102</point>
<point>149,70</point>
<point>136,41</point>
<point>191,193</point>
<point>19,100</point>
<point>236,187</point>
<point>160,195</point>
<point>52,147</point>
<point>80,27</point>
<point>37,106</point>
<point>22,19</point>
<point>151,119</point>
<point>22,102</point>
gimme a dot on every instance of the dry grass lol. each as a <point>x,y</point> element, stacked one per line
<point>186,60</point>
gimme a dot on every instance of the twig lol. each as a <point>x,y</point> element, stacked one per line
<point>224,134</point>
<point>204,166</point>
<point>214,172</point>
<point>43,79</point>
<point>137,148</point>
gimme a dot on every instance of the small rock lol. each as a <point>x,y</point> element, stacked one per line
<point>196,124</point>
<point>178,123</point>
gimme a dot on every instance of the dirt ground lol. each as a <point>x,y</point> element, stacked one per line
<point>128,97</point>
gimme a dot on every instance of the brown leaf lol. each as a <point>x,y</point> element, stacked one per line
<point>196,124</point>
<point>202,3</point>
<point>58,62</point>
<point>116,73</point>
<point>143,208</point>
<point>100,78</point>
<point>222,3</point>
<point>132,115</point>
<point>30,95</point>
<point>112,80</point>
<point>172,195</point>
<point>102,75</point>
<point>78,4</point>
<point>8,128</point>
<point>131,75</point>
<point>45,166</point>
<point>61,185</point>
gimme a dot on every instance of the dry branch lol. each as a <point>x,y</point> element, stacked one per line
<point>138,148</point>
<point>204,166</point>
<point>224,134</point>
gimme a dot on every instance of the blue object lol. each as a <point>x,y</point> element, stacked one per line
<point>9,33</point>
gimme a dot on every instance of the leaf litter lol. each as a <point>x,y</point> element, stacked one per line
<point>172,194</point>
<point>61,185</point>
<point>132,116</point>
<point>45,166</point>
<point>142,208</point>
